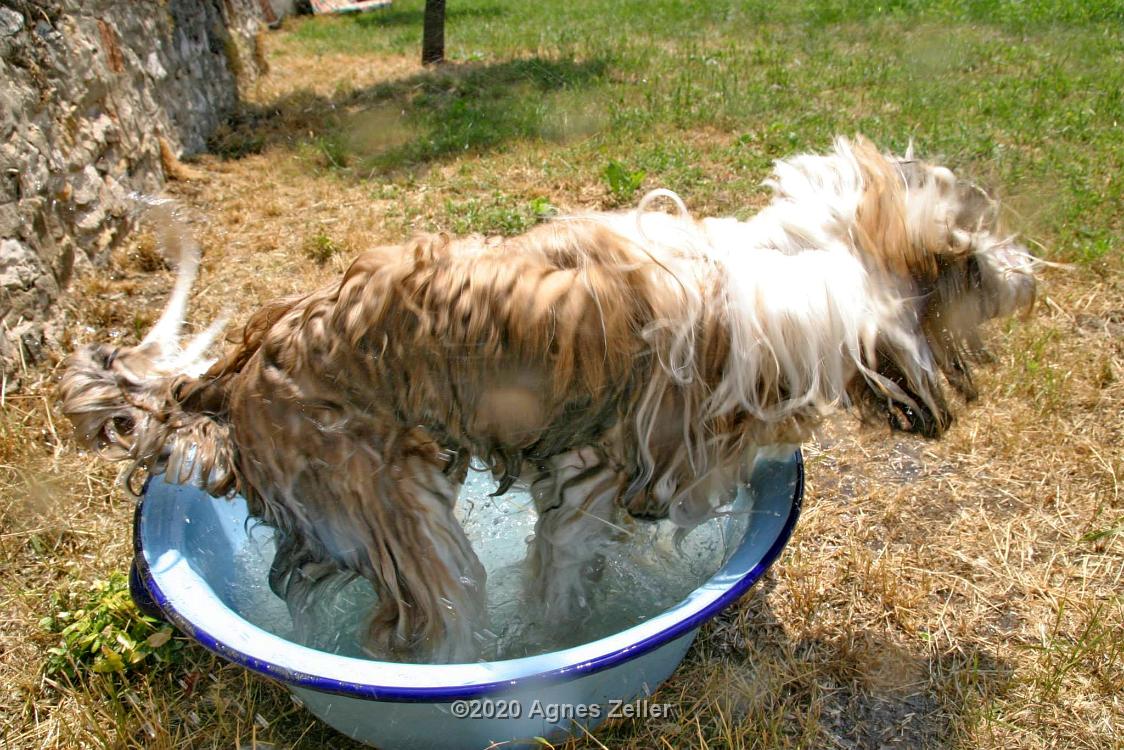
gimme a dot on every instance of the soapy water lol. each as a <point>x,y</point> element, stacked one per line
<point>644,573</point>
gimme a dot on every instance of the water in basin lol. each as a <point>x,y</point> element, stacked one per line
<point>644,573</point>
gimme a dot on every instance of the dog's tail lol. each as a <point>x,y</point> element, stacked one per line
<point>162,405</point>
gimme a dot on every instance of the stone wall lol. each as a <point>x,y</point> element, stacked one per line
<point>91,92</point>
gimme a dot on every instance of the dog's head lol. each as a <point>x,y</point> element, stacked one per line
<point>937,241</point>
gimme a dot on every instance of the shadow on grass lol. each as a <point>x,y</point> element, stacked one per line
<point>452,109</point>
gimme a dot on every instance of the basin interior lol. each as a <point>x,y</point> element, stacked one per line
<point>197,549</point>
<point>645,570</point>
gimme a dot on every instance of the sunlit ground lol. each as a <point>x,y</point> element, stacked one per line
<point>964,593</point>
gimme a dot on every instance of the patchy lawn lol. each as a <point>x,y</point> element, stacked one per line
<point>962,593</point>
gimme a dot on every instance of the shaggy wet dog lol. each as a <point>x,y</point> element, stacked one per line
<point>630,362</point>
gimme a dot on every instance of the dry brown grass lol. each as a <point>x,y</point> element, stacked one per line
<point>962,593</point>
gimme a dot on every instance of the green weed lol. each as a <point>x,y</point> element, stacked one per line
<point>621,181</point>
<point>543,208</point>
<point>103,631</point>
<point>320,248</point>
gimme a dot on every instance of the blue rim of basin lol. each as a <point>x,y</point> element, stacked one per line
<point>387,683</point>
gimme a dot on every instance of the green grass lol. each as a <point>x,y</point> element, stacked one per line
<point>1025,97</point>
<point>493,213</point>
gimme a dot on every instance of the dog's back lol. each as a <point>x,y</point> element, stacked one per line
<point>632,360</point>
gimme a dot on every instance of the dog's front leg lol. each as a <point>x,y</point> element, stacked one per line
<point>575,496</point>
<point>430,583</point>
<point>386,512</point>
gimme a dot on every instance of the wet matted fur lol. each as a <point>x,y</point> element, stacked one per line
<point>634,361</point>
